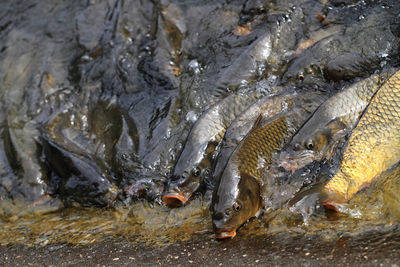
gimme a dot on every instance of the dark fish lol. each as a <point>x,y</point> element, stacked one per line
<point>318,138</point>
<point>347,66</point>
<point>237,197</point>
<point>268,53</point>
<point>79,147</point>
<point>346,54</point>
<point>245,67</point>
<point>250,10</point>
<point>81,179</point>
<point>195,162</point>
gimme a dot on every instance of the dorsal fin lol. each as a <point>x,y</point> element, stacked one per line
<point>257,122</point>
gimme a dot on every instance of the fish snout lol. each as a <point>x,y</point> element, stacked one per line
<point>174,195</point>
<point>175,198</point>
<point>225,234</point>
<point>180,190</point>
<point>292,161</point>
<point>286,162</point>
<point>221,229</point>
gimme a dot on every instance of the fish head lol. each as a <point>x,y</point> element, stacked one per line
<point>304,71</point>
<point>311,143</point>
<point>191,169</point>
<point>234,203</point>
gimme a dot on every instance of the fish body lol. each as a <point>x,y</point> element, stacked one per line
<point>345,54</point>
<point>79,147</point>
<point>237,197</point>
<point>267,106</point>
<point>318,137</point>
<point>373,146</point>
<point>269,53</point>
<point>245,67</point>
<point>195,162</point>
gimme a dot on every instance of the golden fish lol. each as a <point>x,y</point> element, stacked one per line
<point>319,136</point>
<point>373,147</point>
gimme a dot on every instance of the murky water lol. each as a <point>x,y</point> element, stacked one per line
<point>97,99</point>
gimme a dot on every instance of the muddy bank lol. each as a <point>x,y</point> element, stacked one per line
<point>156,235</point>
<point>366,250</point>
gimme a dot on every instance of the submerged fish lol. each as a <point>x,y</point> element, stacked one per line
<point>195,162</point>
<point>237,197</point>
<point>90,149</point>
<point>373,147</point>
<point>319,136</point>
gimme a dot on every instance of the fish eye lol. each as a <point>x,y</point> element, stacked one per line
<point>228,212</point>
<point>196,171</point>
<point>207,172</point>
<point>296,147</point>
<point>309,145</point>
<point>300,76</point>
<point>236,207</point>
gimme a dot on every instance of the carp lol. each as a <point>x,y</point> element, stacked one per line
<point>373,146</point>
<point>250,61</point>
<point>319,136</point>
<point>238,195</point>
<point>268,106</point>
<point>195,161</point>
<point>79,149</point>
<point>345,54</point>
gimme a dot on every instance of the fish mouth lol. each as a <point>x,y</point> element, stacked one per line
<point>294,162</point>
<point>289,165</point>
<point>174,199</point>
<point>333,201</point>
<point>225,234</point>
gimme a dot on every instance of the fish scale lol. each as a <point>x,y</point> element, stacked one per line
<point>353,99</point>
<point>201,146</point>
<point>259,145</point>
<point>374,145</point>
<point>329,124</point>
<point>238,194</point>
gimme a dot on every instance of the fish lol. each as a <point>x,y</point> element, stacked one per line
<point>317,139</point>
<point>373,146</point>
<point>345,54</point>
<point>250,10</point>
<point>268,106</point>
<point>238,195</point>
<point>246,66</point>
<point>266,55</point>
<point>79,147</point>
<point>81,180</point>
<point>197,157</point>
